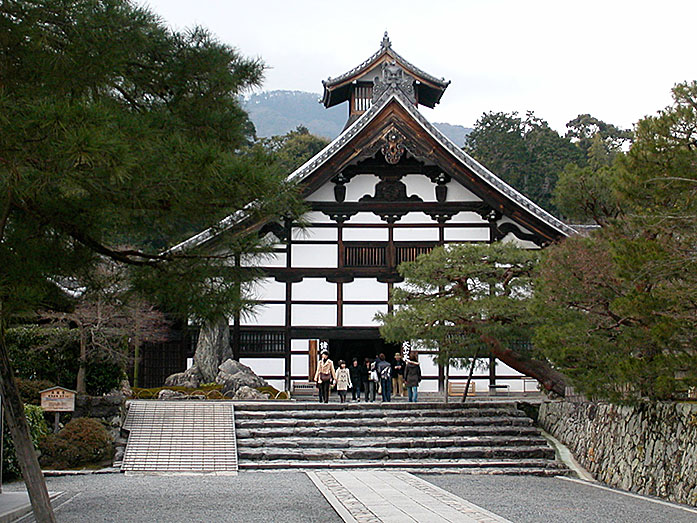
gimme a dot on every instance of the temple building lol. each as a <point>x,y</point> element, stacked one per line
<point>389,188</point>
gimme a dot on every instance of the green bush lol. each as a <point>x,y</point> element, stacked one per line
<point>38,429</point>
<point>29,390</point>
<point>83,441</point>
<point>51,354</point>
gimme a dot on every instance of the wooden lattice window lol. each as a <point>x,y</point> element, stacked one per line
<point>407,253</point>
<point>365,256</point>
<point>262,342</point>
<point>362,98</point>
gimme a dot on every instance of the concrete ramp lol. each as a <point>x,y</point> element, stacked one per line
<point>185,437</point>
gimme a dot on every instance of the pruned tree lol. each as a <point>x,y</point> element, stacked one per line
<point>116,130</point>
<point>458,298</point>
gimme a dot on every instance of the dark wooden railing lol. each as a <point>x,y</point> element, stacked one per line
<point>365,256</point>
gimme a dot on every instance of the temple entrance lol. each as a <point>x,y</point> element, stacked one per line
<point>361,349</point>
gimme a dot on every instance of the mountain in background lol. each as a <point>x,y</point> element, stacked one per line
<point>275,113</point>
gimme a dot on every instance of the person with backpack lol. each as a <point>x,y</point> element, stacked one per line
<point>384,369</point>
<point>398,375</point>
<point>371,377</point>
<point>412,376</point>
<point>356,371</point>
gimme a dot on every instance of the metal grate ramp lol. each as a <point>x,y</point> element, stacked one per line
<point>180,437</point>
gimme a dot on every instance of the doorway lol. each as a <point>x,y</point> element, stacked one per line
<point>348,349</point>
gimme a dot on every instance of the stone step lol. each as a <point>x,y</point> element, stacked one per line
<point>404,422</point>
<point>469,466</point>
<point>376,431</point>
<point>377,412</point>
<point>242,407</point>
<point>398,442</point>
<point>385,453</point>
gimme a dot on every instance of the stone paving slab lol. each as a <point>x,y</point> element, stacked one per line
<point>380,496</point>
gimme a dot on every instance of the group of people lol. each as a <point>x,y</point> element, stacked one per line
<point>401,376</point>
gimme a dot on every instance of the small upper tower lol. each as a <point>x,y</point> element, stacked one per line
<point>364,84</point>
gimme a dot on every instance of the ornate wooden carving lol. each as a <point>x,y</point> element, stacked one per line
<point>393,77</point>
<point>393,146</point>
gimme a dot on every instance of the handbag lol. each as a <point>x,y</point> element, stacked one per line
<point>324,376</point>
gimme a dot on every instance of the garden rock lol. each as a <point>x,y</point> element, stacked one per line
<point>167,394</point>
<point>190,379</point>
<point>248,393</point>
<point>234,375</point>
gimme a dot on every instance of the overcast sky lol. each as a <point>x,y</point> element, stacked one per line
<point>616,60</point>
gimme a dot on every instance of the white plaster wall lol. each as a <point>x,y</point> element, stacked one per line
<point>363,289</point>
<point>313,289</point>
<point>267,289</point>
<point>522,244</point>
<point>467,217</point>
<point>502,368</point>
<point>365,217</point>
<point>313,315</point>
<point>274,259</point>
<point>323,194</point>
<point>429,367</point>
<point>272,315</point>
<point>460,193</point>
<point>315,233</point>
<point>416,217</point>
<point>516,385</point>
<point>359,186</point>
<point>266,366</point>
<point>299,364</point>
<point>415,234</point>
<point>466,234</point>
<point>317,217</point>
<point>362,315</point>
<point>353,234</point>
<point>277,384</point>
<point>428,386</point>
<point>421,186</point>
<point>299,345</point>
<point>314,256</point>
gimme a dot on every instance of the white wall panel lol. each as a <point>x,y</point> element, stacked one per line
<point>267,289</point>
<point>365,217</point>
<point>314,256</point>
<point>315,233</point>
<point>416,217</point>
<point>298,345</point>
<point>317,217</point>
<point>277,384</point>
<point>314,289</point>
<point>467,217</point>
<point>363,289</point>
<point>299,364</point>
<point>272,315</point>
<point>421,186</point>
<point>273,259</point>
<point>460,193</point>
<point>354,234</point>
<point>323,194</point>
<point>361,185</point>
<point>313,315</point>
<point>408,234</point>
<point>266,366</point>
<point>362,315</point>
<point>515,385</point>
<point>502,368</point>
<point>522,244</point>
<point>428,365</point>
<point>428,386</point>
<point>466,234</point>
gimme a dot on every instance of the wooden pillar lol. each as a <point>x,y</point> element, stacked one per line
<point>312,363</point>
<point>288,299</point>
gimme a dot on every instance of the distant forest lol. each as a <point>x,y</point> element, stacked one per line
<point>275,113</point>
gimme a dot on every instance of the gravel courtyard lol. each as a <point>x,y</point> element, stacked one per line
<point>290,497</point>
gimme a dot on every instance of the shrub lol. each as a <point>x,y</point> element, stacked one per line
<point>83,441</point>
<point>29,390</point>
<point>38,429</point>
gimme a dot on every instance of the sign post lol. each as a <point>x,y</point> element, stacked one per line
<point>57,400</point>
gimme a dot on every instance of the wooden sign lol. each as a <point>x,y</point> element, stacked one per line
<point>58,399</point>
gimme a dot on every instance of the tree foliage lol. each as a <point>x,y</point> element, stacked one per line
<point>293,149</point>
<point>524,152</point>
<point>460,298</point>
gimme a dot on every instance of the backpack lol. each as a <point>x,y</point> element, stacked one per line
<point>386,372</point>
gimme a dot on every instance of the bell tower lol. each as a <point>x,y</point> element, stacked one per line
<point>384,71</point>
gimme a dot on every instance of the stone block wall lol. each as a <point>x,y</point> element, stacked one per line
<point>650,448</point>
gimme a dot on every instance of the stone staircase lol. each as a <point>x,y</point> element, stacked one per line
<point>478,438</point>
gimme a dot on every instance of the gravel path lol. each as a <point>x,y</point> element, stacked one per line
<point>535,499</point>
<point>287,497</point>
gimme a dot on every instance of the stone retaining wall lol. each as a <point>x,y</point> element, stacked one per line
<point>649,449</point>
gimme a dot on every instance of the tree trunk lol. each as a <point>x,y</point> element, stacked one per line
<point>213,348</point>
<point>81,386</point>
<point>19,430</point>
<point>549,378</point>
<point>469,376</point>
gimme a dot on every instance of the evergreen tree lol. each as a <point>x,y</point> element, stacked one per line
<point>118,136</point>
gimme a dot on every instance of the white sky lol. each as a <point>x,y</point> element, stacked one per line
<point>614,59</point>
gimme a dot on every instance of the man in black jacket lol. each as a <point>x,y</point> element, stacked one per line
<point>398,375</point>
<point>357,379</point>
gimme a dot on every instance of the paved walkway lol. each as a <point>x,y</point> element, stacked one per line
<point>400,497</point>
